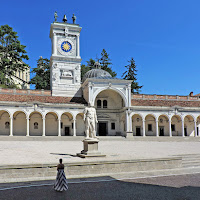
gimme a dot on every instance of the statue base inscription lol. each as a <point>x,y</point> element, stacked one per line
<point>90,148</point>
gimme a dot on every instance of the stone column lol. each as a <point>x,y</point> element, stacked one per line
<point>74,128</point>
<point>143,127</point>
<point>54,43</point>
<point>127,121</point>
<point>78,49</point>
<point>131,124</point>
<point>11,126</point>
<point>183,134</point>
<point>157,133</point>
<point>198,129</point>
<point>27,126</point>
<point>43,124</point>
<point>195,128</point>
<point>59,129</point>
<point>129,133</point>
<point>170,128</point>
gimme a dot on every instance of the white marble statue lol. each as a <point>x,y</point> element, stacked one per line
<point>90,119</point>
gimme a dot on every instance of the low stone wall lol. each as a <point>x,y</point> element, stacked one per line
<point>85,169</point>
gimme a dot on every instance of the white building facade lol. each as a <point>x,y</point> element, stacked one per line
<point>59,112</point>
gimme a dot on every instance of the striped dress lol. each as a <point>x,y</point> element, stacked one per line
<point>61,181</point>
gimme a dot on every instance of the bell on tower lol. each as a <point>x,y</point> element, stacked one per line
<point>64,19</point>
<point>65,59</point>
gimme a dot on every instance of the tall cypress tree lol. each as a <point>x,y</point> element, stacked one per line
<point>105,62</point>
<point>130,74</point>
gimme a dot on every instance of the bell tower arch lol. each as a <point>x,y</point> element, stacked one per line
<point>65,62</point>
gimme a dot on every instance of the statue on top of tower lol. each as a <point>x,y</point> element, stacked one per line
<point>55,16</point>
<point>74,19</point>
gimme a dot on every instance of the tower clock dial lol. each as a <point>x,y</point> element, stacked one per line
<point>65,46</point>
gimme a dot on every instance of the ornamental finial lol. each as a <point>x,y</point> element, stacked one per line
<point>97,65</point>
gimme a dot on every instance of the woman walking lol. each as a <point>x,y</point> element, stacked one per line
<point>61,181</point>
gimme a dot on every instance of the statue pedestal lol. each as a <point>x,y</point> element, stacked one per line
<point>90,148</point>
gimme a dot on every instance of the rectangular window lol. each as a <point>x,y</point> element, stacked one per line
<point>173,127</point>
<point>61,125</point>
<point>149,127</point>
<point>72,125</point>
<point>113,126</point>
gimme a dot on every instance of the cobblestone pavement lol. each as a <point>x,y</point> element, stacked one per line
<point>184,187</point>
<point>18,152</point>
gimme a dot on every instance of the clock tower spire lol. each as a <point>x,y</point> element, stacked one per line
<point>65,62</point>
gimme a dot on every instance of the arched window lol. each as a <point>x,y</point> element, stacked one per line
<point>35,125</point>
<point>104,103</point>
<point>98,103</point>
<point>7,125</point>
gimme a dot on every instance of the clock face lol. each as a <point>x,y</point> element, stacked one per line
<point>66,46</point>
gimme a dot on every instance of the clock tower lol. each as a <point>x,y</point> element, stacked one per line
<point>65,62</point>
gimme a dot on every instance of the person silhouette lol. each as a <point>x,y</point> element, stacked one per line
<point>61,181</point>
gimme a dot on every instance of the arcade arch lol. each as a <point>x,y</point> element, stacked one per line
<point>163,125</point>
<point>176,125</point>
<point>66,124</point>
<point>137,125</point>
<point>189,129</point>
<point>51,124</point>
<point>150,125</point>
<point>36,124</point>
<point>19,124</point>
<point>4,123</point>
<point>108,104</point>
<point>80,126</point>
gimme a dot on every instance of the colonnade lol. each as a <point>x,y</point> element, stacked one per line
<point>30,124</point>
<point>164,125</point>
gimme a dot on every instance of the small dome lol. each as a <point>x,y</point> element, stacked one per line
<point>96,73</point>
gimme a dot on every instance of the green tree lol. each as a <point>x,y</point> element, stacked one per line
<point>42,74</point>
<point>130,74</point>
<point>12,54</point>
<point>105,62</point>
<point>90,63</point>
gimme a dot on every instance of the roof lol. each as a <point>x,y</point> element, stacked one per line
<point>96,73</point>
<point>164,100</point>
<point>41,99</point>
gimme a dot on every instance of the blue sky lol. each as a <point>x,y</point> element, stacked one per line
<point>161,35</point>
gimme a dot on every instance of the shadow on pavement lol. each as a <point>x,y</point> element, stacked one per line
<point>100,188</point>
<point>64,154</point>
